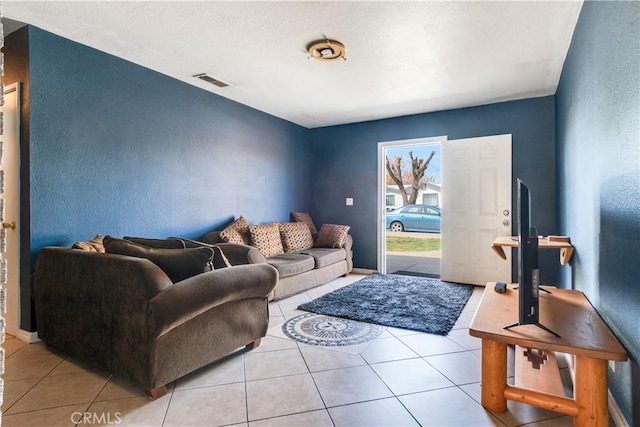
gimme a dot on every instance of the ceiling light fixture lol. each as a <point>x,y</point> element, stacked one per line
<point>327,50</point>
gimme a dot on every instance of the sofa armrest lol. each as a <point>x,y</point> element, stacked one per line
<point>348,247</point>
<point>195,295</point>
<point>241,254</point>
<point>348,243</point>
<point>95,306</point>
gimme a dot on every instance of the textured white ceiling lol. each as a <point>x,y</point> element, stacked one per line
<point>402,57</point>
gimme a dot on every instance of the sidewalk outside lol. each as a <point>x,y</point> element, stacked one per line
<point>417,262</point>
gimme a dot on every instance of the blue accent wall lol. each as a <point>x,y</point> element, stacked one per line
<point>119,149</point>
<point>345,162</point>
<point>598,140</point>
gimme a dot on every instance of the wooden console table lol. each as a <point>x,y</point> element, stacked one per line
<point>582,333</point>
<point>566,248</point>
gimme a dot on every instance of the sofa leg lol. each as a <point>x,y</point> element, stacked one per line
<point>158,392</point>
<point>253,345</point>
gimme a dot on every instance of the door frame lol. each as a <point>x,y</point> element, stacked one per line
<point>382,186</point>
<point>13,293</point>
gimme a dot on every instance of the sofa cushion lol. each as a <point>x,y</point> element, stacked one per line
<point>305,218</point>
<point>170,243</point>
<point>325,256</point>
<point>266,238</point>
<point>332,236</point>
<point>236,232</point>
<point>94,245</point>
<point>178,264</point>
<point>291,264</point>
<point>296,236</point>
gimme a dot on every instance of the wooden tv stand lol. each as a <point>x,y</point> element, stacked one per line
<point>582,333</point>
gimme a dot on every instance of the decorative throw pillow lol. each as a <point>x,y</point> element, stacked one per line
<point>94,245</point>
<point>236,232</point>
<point>306,218</point>
<point>295,236</point>
<point>266,238</point>
<point>177,264</point>
<point>332,236</point>
<point>170,243</point>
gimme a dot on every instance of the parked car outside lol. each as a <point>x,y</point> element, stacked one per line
<point>425,218</point>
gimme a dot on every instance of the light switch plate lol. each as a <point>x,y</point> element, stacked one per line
<point>349,201</point>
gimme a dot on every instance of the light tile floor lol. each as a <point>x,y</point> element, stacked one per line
<point>403,378</point>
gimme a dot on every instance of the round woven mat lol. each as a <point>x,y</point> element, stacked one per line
<point>318,329</point>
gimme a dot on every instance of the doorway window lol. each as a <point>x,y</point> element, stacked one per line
<point>423,254</point>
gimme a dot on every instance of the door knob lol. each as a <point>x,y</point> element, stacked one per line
<point>506,223</point>
<point>11,225</point>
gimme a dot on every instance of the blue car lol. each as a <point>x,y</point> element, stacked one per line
<point>414,218</point>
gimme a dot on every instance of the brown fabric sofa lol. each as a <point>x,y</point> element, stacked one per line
<point>124,314</point>
<point>297,271</point>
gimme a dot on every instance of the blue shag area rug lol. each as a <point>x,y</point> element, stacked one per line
<point>416,303</point>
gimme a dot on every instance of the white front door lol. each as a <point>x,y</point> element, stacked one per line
<point>10,166</point>
<point>476,208</point>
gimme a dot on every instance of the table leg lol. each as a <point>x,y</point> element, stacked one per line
<point>494,375</point>
<point>590,392</point>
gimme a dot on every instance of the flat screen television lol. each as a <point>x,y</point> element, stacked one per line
<point>528,269</point>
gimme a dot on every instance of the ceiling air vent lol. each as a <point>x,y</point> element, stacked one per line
<point>207,78</point>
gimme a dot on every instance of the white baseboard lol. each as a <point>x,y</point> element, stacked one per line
<point>26,336</point>
<point>615,413</point>
<point>363,271</point>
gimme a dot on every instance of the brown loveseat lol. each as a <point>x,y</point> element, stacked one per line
<point>124,314</point>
